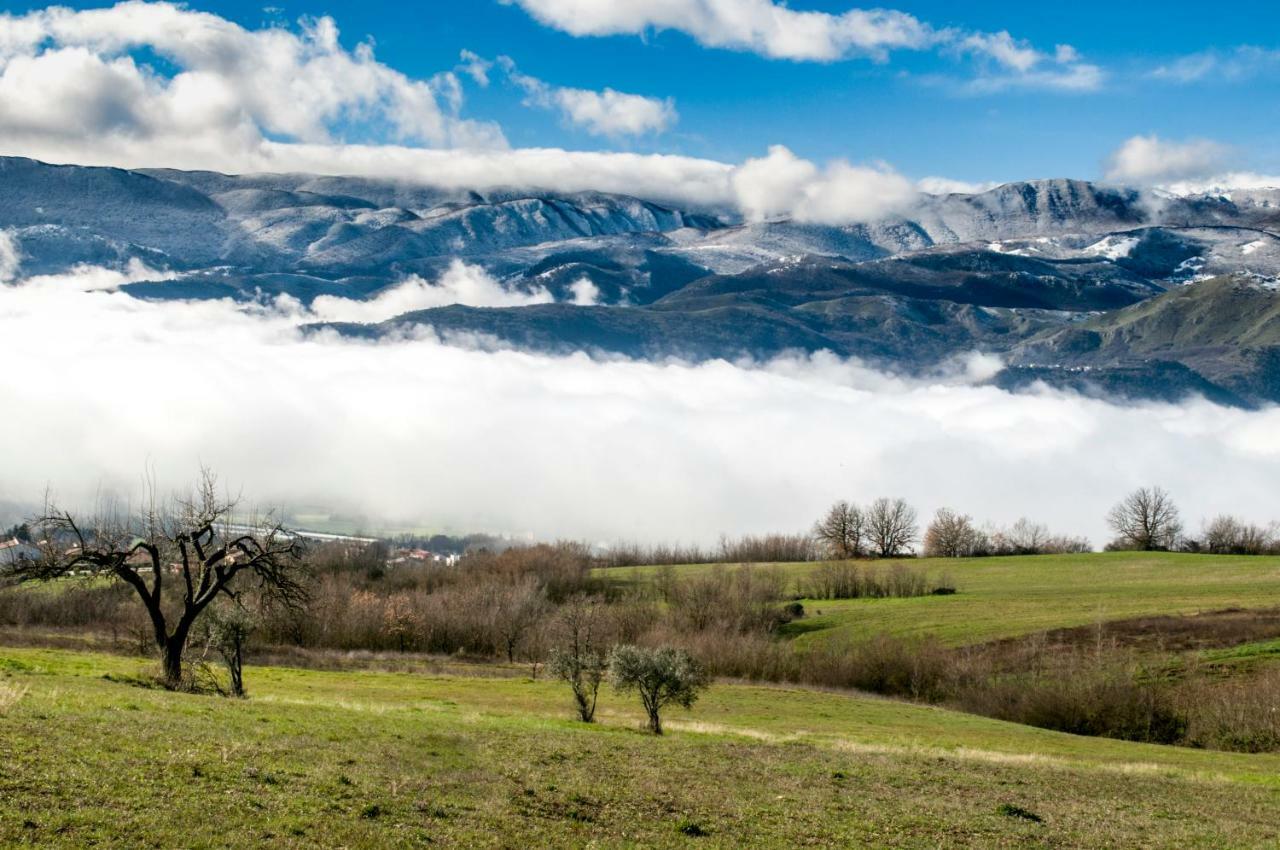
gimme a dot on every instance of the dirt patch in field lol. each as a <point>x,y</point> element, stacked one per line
<point>1165,633</point>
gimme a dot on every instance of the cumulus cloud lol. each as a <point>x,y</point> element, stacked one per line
<point>601,113</point>
<point>416,432</point>
<point>778,32</point>
<point>89,74</point>
<point>585,293</point>
<point>761,26</point>
<point>146,85</point>
<point>783,185</point>
<point>158,85</point>
<point>1151,160</point>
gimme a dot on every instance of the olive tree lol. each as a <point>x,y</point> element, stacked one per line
<point>1146,519</point>
<point>662,677</point>
<point>179,556</point>
<point>841,530</point>
<point>225,628</point>
<point>580,656</point>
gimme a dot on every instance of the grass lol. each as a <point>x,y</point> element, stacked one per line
<point>1007,597</point>
<point>365,759</point>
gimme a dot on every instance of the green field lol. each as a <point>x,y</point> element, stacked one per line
<point>485,756</point>
<point>389,760</point>
<point>1006,597</point>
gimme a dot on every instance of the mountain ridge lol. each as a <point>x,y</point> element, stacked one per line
<point>1032,271</point>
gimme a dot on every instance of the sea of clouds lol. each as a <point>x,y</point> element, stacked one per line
<point>457,435</point>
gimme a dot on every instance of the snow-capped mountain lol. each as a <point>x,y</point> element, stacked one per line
<point>1032,271</point>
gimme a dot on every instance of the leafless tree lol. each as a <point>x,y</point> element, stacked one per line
<point>841,531</point>
<point>516,610</point>
<point>891,527</point>
<point>1028,538</point>
<point>581,655</point>
<point>1227,535</point>
<point>951,535</point>
<point>1146,519</point>
<point>178,556</point>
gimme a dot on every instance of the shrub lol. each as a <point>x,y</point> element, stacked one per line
<point>580,658</point>
<point>850,580</point>
<point>662,677</point>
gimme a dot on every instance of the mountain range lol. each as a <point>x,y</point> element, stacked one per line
<point>1107,290</point>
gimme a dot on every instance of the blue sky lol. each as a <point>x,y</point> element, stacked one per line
<point>913,110</point>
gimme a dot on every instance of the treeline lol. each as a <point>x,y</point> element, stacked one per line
<point>1148,519</point>
<point>749,549</point>
<point>887,528</point>
<point>499,605</point>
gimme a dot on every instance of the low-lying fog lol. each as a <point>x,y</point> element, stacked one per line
<point>98,386</point>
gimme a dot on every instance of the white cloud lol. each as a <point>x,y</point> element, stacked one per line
<point>769,187</point>
<point>782,184</point>
<point>585,293</point>
<point>82,87</point>
<point>74,88</point>
<point>76,75</point>
<point>1242,63</point>
<point>1007,63</point>
<point>948,186</point>
<point>760,26</point>
<point>446,437</point>
<point>1004,49</point>
<point>460,284</point>
<point>10,258</point>
<point>778,32</point>
<point>601,113</point>
<point>1225,182</point>
<point>1072,78</point>
<point>1148,160</point>
<point>476,67</point>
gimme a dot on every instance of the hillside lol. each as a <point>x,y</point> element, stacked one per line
<point>1034,593</point>
<point>1227,329</point>
<point>398,760</point>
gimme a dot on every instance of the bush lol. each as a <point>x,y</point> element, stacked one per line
<point>661,677</point>
<point>850,580</point>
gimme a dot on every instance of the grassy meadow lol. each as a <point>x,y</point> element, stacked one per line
<point>483,755</point>
<point>366,759</point>
<point>1007,597</point>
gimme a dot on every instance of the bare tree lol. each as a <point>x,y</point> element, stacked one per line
<point>1028,538</point>
<point>841,530</point>
<point>190,540</point>
<point>951,535</point>
<point>516,610</point>
<point>1146,519</point>
<point>580,656</point>
<point>891,527</point>
<point>1227,535</point>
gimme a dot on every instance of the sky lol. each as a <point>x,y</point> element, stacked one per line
<point>976,92</point>
<point>819,110</point>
